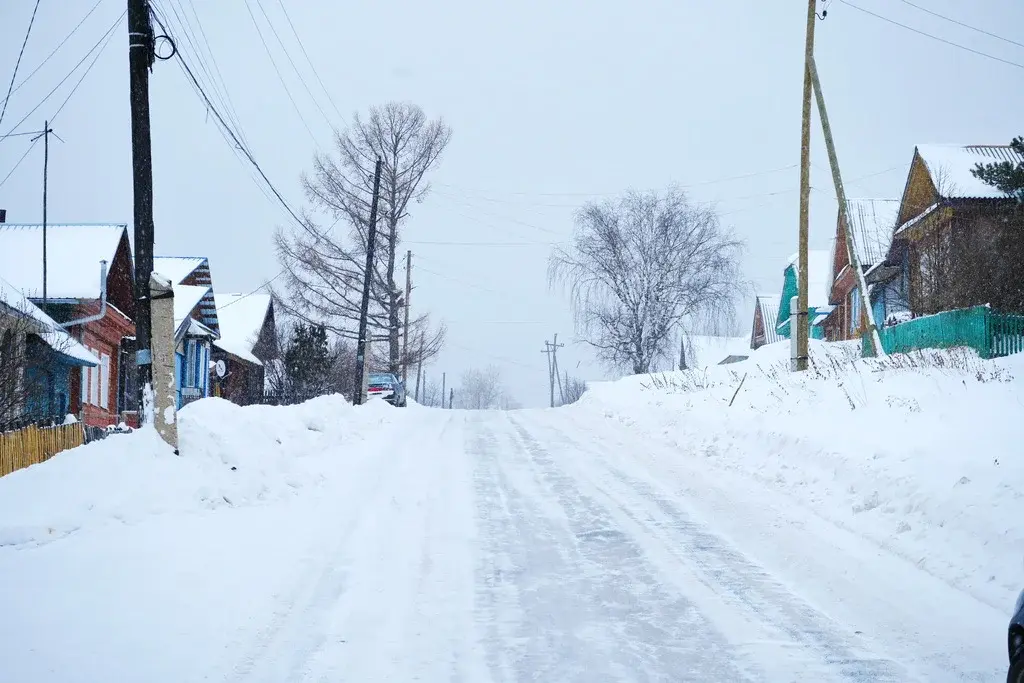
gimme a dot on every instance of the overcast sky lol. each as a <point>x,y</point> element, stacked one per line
<point>551,104</point>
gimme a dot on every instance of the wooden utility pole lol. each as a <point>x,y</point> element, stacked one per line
<point>844,219</point>
<point>802,329</point>
<point>405,338</point>
<point>419,364</point>
<point>140,61</point>
<point>45,135</point>
<point>444,380</point>
<point>451,399</point>
<point>551,349</point>
<point>364,307</point>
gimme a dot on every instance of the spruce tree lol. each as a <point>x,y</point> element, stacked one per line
<point>1007,176</point>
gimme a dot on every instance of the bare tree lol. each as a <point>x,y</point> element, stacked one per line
<point>430,395</point>
<point>324,269</point>
<point>480,389</point>
<point>573,389</point>
<point>638,266</point>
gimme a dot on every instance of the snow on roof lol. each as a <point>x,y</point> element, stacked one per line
<point>768,304</point>
<point>704,350</point>
<point>241,318</point>
<point>819,276</point>
<point>177,268</point>
<point>186,298</point>
<point>49,331</point>
<point>950,167</point>
<point>916,219</point>
<point>73,255</point>
<point>872,223</point>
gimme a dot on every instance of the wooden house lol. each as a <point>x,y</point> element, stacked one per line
<point>96,311</point>
<point>872,222</point>
<point>817,293</point>
<point>766,314</point>
<point>196,324</point>
<point>247,341</point>
<point>956,242</point>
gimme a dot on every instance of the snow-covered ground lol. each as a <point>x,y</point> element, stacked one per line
<point>857,523</point>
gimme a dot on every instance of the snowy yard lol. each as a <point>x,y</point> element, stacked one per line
<point>858,523</point>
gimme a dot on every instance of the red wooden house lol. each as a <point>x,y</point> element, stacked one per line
<point>96,311</point>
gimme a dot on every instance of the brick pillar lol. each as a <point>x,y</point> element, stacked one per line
<point>165,387</point>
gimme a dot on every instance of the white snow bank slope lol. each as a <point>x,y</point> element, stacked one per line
<point>919,453</point>
<point>230,456</point>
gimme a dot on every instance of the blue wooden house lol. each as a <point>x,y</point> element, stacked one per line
<point>196,326</point>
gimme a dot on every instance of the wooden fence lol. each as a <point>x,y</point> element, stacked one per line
<point>32,445</point>
<point>991,334</point>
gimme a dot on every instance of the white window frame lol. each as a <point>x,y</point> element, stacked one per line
<point>104,381</point>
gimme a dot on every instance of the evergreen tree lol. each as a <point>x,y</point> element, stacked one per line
<point>1007,176</point>
<point>308,361</point>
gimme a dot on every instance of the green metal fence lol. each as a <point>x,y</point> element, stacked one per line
<point>989,333</point>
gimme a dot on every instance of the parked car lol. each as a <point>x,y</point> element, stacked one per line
<point>385,385</point>
<point>1015,642</point>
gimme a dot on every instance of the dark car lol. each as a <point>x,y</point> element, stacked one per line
<point>1015,641</point>
<point>385,385</point>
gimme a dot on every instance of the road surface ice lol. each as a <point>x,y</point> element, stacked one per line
<point>486,546</point>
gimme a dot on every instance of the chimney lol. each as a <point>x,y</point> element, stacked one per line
<point>3,215</point>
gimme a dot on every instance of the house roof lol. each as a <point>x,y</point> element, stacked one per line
<point>872,223</point>
<point>916,219</point>
<point>241,318</point>
<point>49,331</point>
<point>177,268</point>
<point>819,276</point>
<point>704,350</point>
<point>950,167</point>
<point>186,298</point>
<point>73,255</point>
<point>768,305</point>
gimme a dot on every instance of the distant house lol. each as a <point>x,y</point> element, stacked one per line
<point>699,350</point>
<point>196,324</point>
<point>247,341</point>
<point>37,359</point>
<point>766,314</point>
<point>818,269</point>
<point>872,222</point>
<point>956,242</point>
<point>105,394</point>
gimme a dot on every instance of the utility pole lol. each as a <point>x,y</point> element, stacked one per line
<point>444,380</point>
<point>851,252</point>
<point>451,399</point>
<point>802,330</point>
<point>419,364</point>
<point>405,337</point>
<point>364,308</point>
<point>45,135</point>
<point>551,349</point>
<point>140,61</point>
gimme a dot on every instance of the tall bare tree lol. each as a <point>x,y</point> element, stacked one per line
<point>324,267</point>
<point>481,390</point>
<point>640,265</point>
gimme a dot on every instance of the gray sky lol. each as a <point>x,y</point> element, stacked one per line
<point>551,103</point>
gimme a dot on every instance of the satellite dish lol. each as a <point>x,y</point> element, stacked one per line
<point>221,368</point>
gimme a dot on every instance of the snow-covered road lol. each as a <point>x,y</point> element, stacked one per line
<point>492,546</point>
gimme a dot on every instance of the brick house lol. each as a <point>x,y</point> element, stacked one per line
<point>74,297</point>
<point>872,222</point>
<point>247,341</point>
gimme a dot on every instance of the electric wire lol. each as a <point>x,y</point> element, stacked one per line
<point>17,64</point>
<point>960,23</point>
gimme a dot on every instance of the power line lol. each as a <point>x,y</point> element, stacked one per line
<point>21,53</point>
<point>933,37</point>
<point>16,165</point>
<point>56,49</point>
<point>960,23</point>
<point>259,3</point>
<point>246,296</point>
<point>84,74</point>
<point>280,77</point>
<point>99,43</point>
<point>310,61</point>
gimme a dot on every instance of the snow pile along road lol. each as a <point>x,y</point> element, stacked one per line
<point>920,453</point>
<point>231,456</point>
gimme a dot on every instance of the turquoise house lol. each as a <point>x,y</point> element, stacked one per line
<point>818,275</point>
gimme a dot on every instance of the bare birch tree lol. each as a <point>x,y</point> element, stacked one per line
<point>481,389</point>
<point>324,266</point>
<point>638,266</point>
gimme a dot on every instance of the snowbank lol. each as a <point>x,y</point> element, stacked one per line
<point>920,453</point>
<point>230,456</point>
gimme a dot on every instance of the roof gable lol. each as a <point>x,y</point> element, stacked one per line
<point>44,326</point>
<point>872,223</point>
<point>177,269</point>
<point>819,281</point>
<point>241,318</point>
<point>766,311</point>
<point>950,166</point>
<point>73,255</point>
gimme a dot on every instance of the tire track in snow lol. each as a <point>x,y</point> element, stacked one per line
<point>283,649</point>
<point>805,643</point>
<point>564,594</point>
